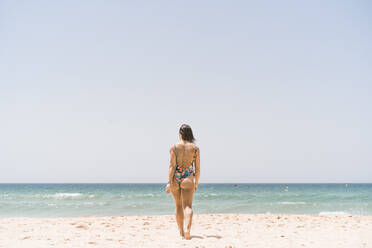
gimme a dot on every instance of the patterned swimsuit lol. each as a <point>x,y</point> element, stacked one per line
<point>181,173</point>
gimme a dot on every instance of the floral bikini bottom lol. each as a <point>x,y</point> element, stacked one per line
<point>181,173</point>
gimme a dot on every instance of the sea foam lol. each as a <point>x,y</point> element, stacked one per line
<point>292,203</point>
<point>334,213</point>
<point>64,195</point>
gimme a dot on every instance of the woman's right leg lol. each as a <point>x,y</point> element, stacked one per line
<point>176,192</point>
<point>187,193</point>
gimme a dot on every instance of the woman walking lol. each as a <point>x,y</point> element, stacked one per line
<point>184,173</point>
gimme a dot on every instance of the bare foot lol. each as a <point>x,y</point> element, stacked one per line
<point>182,234</point>
<point>187,235</point>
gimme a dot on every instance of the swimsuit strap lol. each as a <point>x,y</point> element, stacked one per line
<point>195,155</point>
<point>175,152</point>
<point>194,161</point>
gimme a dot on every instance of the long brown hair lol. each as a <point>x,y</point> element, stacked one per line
<point>186,133</point>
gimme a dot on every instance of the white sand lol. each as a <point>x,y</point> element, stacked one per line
<point>217,230</point>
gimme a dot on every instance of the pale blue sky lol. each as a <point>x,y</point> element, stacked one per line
<point>95,91</point>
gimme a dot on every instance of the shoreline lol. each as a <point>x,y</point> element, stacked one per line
<point>208,230</point>
<point>326,214</point>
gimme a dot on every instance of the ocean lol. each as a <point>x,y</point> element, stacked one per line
<point>72,200</point>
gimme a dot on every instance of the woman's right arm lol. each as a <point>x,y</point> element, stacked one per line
<point>172,165</point>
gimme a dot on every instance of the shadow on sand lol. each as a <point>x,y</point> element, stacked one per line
<point>207,236</point>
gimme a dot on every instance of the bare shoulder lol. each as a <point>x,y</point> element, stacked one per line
<point>171,149</point>
<point>196,148</point>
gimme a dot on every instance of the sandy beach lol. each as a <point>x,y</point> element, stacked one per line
<point>215,230</point>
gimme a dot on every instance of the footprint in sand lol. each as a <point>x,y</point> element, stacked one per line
<point>82,227</point>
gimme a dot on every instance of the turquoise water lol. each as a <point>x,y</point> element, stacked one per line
<point>69,200</point>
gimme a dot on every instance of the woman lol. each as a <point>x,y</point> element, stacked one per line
<point>184,173</point>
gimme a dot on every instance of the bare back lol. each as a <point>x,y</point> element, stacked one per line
<point>186,154</point>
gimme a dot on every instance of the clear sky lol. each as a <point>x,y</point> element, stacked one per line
<point>95,91</point>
